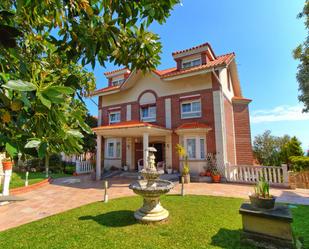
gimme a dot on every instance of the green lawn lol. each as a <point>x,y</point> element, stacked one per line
<point>195,222</point>
<point>18,178</point>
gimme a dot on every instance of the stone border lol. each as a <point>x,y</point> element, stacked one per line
<point>21,190</point>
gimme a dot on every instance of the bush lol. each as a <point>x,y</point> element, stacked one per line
<point>299,163</point>
<point>55,163</point>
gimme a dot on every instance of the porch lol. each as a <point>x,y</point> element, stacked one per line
<point>126,143</point>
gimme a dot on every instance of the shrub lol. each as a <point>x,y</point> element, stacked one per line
<point>55,163</point>
<point>299,163</point>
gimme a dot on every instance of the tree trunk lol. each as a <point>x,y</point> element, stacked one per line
<point>46,165</point>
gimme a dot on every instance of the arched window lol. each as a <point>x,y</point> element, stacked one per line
<point>148,109</point>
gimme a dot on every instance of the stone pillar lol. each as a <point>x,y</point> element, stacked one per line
<point>99,157</point>
<point>145,148</point>
<point>6,183</point>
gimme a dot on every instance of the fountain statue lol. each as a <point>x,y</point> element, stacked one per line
<point>151,188</point>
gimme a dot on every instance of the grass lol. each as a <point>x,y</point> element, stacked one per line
<point>18,178</point>
<point>195,222</point>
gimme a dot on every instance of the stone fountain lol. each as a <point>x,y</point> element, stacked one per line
<point>151,188</point>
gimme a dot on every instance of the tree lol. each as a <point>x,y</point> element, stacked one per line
<point>44,46</point>
<point>301,53</point>
<point>89,139</point>
<point>266,149</point>
<point>291,148</point>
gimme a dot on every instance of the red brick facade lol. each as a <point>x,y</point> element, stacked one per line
<point>242,133</point>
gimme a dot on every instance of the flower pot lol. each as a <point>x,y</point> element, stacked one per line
<point>262,203</point>
<point>125,168</point>
<point>216,178</point>
<point>7,165</point>
<point>169,171</point>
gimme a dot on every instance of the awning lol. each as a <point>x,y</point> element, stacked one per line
<point>192,128</point>
<point>131,129</point>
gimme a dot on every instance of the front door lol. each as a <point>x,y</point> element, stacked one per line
<point>159,153</point>
<point>138,153</point>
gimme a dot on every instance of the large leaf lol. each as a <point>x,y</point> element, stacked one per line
<point>75,133</point>
<point>44,101</point>
<point>20,85</point>
<point>42,149</point>
<point>11,148</point>
<point>34,143</point>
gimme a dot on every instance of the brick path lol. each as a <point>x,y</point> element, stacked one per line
<point>68,193</point>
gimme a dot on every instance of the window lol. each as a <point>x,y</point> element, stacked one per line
<point>113,148</point>
<point>191,109</point>
<point>148,114</point>
<point>114,117</point>
<point>191,63</point>
<point>195,146</point>
<point>117,82</point>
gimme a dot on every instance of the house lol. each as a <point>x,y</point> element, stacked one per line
<point>197,103</point>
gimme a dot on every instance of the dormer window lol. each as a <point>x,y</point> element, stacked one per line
<point>148,113</point>
<point>114,117</point>
<point>117,82</point>
<point>191,63</point>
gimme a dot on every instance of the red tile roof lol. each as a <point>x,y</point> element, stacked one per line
<point>115,71</point>
<point>220,60</point>
<point>105,89</point>
<point>128,124</point>
<point>189,49</point>
<point>193,125</point>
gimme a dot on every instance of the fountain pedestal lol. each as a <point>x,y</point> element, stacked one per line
<point>151,188</point>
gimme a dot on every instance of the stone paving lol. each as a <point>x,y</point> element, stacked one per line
<point>67,193</point>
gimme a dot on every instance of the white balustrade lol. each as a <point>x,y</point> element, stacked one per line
<point>83,167</point>
<point>275,175</point>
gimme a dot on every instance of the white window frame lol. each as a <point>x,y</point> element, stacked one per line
<point>114,121</point>
<point>197,139</point>
<point>117,82</point>
<point>191,63</point>
<point>149,118</point>
<point>186,115</point>
<point>114,154</point>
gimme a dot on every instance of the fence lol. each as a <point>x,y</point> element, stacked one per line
<point>275,175</point>
<point>83,167</point>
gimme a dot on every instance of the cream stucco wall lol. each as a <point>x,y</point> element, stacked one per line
<point>161,87</point>
<point>224,81</point>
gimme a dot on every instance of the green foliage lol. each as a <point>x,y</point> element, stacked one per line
<point>89,139</point>
<point>44,46</point>
<point>272,150</point>
<point>299,163</point>
<point>262,188</point>
<point>301,53</point>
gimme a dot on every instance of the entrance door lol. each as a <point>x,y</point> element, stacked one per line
<point>159,153</point>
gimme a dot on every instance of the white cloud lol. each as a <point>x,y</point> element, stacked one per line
<point>279,113</point>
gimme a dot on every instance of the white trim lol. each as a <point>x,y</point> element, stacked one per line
<point>190,96</point>
<point>100,117</point>
<point>176,77</point>
<point>129,112</point>
<point>168,113</point>
<point>114,108</point>
<point>197,139</point>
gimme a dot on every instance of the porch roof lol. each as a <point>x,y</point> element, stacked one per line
<point>131,129</point>
<point>193,127</point>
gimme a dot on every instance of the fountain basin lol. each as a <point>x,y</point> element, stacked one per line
<point>151,190</point>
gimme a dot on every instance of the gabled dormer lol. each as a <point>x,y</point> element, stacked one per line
<point>117,77</point>
<point>195,56</point>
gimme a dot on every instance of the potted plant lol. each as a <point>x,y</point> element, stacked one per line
<point>7,164</point>
<point>215,175</point>
<point>261,198</point>
<point>186,170</point>
<point>169,169</point>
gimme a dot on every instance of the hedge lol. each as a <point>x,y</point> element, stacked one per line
<point>299,163</point>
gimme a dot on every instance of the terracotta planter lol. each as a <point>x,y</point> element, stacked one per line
<point>216,178</point>
<point>262,203</point>
<point>7,165</point>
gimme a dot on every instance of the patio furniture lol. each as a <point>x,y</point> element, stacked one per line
<point>161,166</point>
<point>140,164</point>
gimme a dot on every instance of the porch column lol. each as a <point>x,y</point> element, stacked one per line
<point>145,148</point>
<point>99,157</point>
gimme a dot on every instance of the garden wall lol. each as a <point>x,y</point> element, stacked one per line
<point>299,179</point>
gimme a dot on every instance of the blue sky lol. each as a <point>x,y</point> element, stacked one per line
<point>263,34</point>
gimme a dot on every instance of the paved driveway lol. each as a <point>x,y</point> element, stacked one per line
<point>67,193</point>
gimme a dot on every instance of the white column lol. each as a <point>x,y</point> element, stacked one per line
<point>100,117</point>
<point>6,183</point>
<point>168,113</point>
<point>145,148</point>
<point>99,157</point>
<point>129,112</point>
